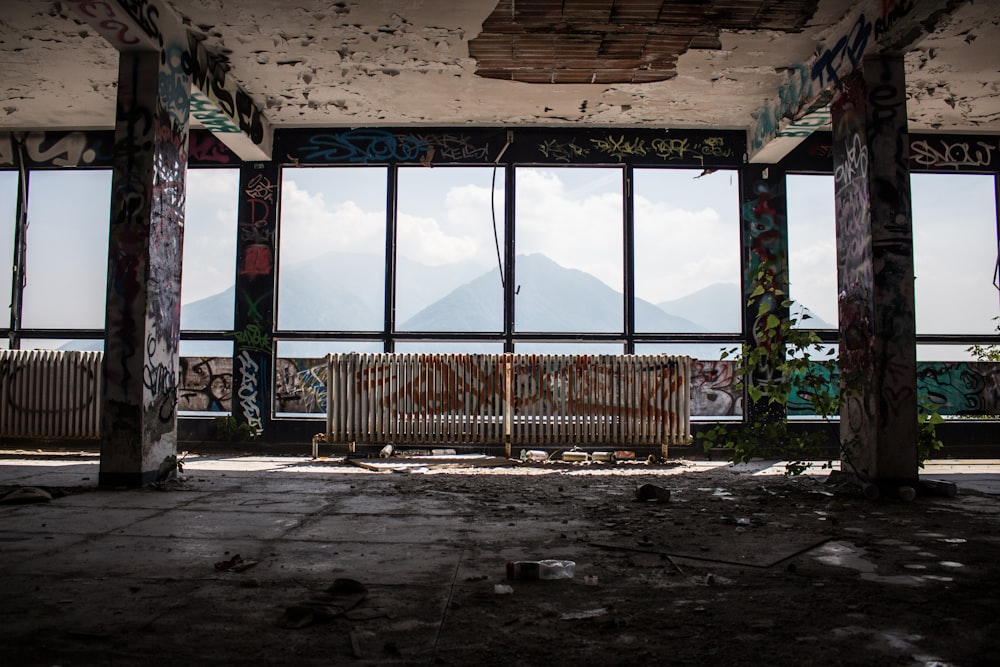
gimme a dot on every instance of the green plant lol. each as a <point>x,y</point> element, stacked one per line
<point>228,429</point>
<point>789,363</point>
<point>986,352</point>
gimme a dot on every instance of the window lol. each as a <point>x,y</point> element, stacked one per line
<point>954,253</point>
<point>569,272</point>
<point>687,251</point>
<point>331,249</point>
<point>207,289</point>
<point>8,222</point>
<point>67,249</point>
<point>812,250</point>
<point>447,271</point>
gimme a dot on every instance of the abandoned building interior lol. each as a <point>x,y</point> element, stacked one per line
<point>357,302</point>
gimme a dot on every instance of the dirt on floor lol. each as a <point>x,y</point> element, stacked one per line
<point>732,567</point>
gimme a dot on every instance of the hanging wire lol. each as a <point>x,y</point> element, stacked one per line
<point>493,206</point>
<point>496,235</point>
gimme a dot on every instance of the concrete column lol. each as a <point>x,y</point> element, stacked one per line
<point>764,219</point>
<point>253,351</point>
<point>139,420</point>
<point>875,273</point>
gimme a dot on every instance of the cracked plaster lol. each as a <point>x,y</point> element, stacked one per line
<point>384,62</point>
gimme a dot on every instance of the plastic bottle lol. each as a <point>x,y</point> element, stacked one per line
<point>541,569</point>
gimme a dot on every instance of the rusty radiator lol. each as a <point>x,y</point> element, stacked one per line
<point>50,394</point>
<point>508,399</point>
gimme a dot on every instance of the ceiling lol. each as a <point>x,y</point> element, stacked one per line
<point>607,63</point>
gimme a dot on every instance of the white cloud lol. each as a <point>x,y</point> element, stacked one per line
<point>311,226</point>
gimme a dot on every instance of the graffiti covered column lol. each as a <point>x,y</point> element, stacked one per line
<point>875,273</point>
<point>254,327</point>
<point>139,419</point>
<point>764,220</point>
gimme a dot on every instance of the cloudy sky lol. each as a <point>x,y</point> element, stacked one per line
<point>686,232</point>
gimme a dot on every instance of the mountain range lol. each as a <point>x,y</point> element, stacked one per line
<point>344,291</point>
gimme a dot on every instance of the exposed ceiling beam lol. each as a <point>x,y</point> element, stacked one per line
<point>217,100</point>
<point>872,26</point>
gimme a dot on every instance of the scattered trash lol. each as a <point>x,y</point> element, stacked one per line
<point>939,487</point>
<point>235,564</point>
<point>647,492</point>
<point>503,589</point>
<point>587,613</point>
<point>575,456</point>
<point>541,569</point>
<point>26,494</point>
<point>603,456</point>
<point>341,597</point>
<point>624,455</point>
<point>741,521</point>
<point>534,455</point>
<point>385,452</point>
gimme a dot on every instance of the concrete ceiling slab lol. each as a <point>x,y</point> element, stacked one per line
<point>315,63</point>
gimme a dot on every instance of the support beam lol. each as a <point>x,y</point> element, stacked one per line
<point>872,26</point>
<point>217,101</point>
<point>878,383</point>
<point>141,355</point>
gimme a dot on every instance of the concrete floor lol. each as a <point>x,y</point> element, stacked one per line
<point>92,576</point>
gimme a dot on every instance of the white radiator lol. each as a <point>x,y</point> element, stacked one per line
<point>519,399</point>
<point>50,394</point>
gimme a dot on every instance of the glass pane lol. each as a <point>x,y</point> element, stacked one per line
<point>76,345</point>
<point>207,288</point>
<point>944,352</point>
<point>300,374</point>
<point>67,256</point>
<point>569,348</point>
<point>713,394</point>
<point>314,349</point>
<point>8,220</point>
<point>812,250</point>
<point>447,271</point>
<point>703,351</point>
<point>331,249</point>
<point>205,377</point>
<point>449,347</point>
<point>687,251</point>
<point>954,253</point>
<point>569,250</point>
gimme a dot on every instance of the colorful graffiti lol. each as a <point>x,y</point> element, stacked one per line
<point>253,330</point>
<point>205,149</point>
<point>229,108</point>
<point>300,386</point>
<point>713,393</point>
<point>376,145</point>
<point>205,384</point>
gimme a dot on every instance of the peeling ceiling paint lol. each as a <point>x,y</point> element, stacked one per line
<point>314,63</point>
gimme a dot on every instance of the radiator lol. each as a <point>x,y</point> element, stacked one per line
<point>50,394</point>
<point>508,399</point>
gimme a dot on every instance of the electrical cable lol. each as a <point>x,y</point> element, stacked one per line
<point>496,236</point>
<point>493,206</point>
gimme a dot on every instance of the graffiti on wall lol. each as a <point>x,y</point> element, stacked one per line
<point>942,153</point>
<point>229,108</point>
<point>383,145</point>
<point>252,334</point>
<point>206,384</point>
<point>205,149</point>
<point>967,388</point>
<point>713,393</point>
<point>300,385</point>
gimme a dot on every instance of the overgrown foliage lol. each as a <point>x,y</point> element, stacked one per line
<point>785,363</point>
<point>228,429</point>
